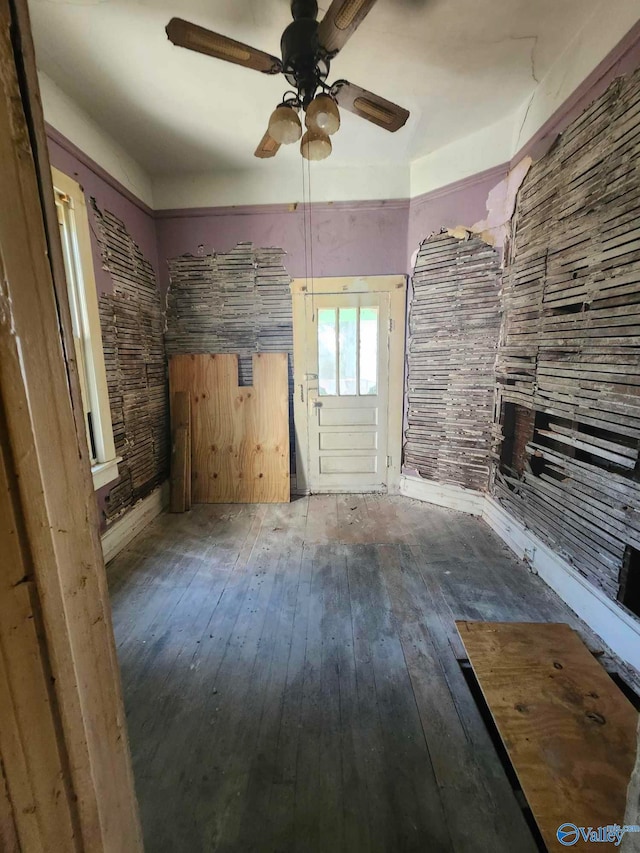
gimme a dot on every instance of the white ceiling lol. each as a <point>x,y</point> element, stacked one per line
<point>457,65</point>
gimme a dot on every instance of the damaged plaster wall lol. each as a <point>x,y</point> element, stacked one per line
<point>495,227</point>
<point>133,253</point>
<point>571,345</point>
<point>454,325</point>
<point>132,337</point>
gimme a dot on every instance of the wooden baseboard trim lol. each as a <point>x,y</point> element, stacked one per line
<point>121,532</point>
<point>619,629</point>
<point>442,494</point>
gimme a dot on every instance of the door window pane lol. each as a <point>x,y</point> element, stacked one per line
<point>368,351</point>
<point>326,351</point>
<point>348,351</point>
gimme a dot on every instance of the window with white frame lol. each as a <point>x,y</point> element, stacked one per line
<point>73,220</point>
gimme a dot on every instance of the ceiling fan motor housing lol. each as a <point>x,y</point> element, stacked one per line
<point>304,9</point>
<point>304,64</point>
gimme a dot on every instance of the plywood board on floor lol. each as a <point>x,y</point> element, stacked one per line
<point>240,435</point>
<point>569,731</point>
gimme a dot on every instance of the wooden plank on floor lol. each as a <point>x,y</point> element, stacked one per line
<point>491,822</point>
<point>569,731</point>
<point>418,817</point>
<point>180,451</point>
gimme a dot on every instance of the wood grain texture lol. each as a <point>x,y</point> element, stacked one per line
<point>240,435</point>
<point>8,835</point>
<point>292,682</point>
<point>29,747</point>
<point>569,731</point>
<point>79,761</point>
<point>180,481</point>
<point>235,302</point>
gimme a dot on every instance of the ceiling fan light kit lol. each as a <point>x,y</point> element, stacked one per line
<point>284,125</point>
<point>315,145</point>
<point>307,48</point>
<point>322,114</point>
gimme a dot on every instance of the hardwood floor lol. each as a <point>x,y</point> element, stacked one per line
<point>292,683</point>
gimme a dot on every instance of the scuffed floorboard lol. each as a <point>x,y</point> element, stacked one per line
<point>292,683</point>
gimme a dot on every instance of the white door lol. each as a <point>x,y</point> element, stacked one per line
<point>347,385</point>
<point>343,386</point>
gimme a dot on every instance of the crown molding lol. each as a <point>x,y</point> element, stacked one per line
<point>72,149</point>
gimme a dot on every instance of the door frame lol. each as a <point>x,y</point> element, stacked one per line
<point>396,287</point>
<point>66,780</point>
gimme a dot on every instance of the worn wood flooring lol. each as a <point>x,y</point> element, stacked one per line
<point>292,682</point>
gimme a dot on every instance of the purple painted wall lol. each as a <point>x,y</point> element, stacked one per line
<point>353,238</point>
<point>462,203</point>
<point>109,195</point>
<point>347,238</point>
<point>112,196</point>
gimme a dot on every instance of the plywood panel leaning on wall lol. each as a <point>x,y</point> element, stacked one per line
<point>240,435</point>
<point>180,451</point>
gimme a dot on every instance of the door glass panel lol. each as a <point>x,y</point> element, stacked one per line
<point>368,351</point>
<point>348,351</point>
<point>327,351</point>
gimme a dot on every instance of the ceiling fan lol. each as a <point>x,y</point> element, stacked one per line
<point>307,47</point>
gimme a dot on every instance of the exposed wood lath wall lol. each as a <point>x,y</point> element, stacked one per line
<point>235,302</point>
<point>454,324</point>
<point>132,336</point>
<point>572,336</point>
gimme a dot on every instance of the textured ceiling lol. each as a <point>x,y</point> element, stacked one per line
<point>457,65</point>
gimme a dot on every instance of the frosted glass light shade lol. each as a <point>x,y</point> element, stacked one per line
<point>284,125</point>
<point>322,114</point>
<point>315,145</point>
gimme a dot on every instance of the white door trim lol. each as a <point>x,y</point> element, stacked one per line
<point>396,286</point>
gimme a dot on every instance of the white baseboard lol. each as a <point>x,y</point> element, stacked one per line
<point>121,532</point>
<point>442,494</point>
<point>619,630</point>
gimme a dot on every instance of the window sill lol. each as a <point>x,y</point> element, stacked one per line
<point>105,472</point>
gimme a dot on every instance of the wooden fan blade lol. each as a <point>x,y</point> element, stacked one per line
<point>268,147</point>
<point>193,37</point>
<point>342,19</point>
<point>371,107</point>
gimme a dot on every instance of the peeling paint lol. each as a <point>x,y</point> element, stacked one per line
<point>501,202</point>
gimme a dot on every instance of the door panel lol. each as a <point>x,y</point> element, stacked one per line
<point>347,364</point>
<point>348,440</point>
<point>348,464</point>
<point>329,416</point>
